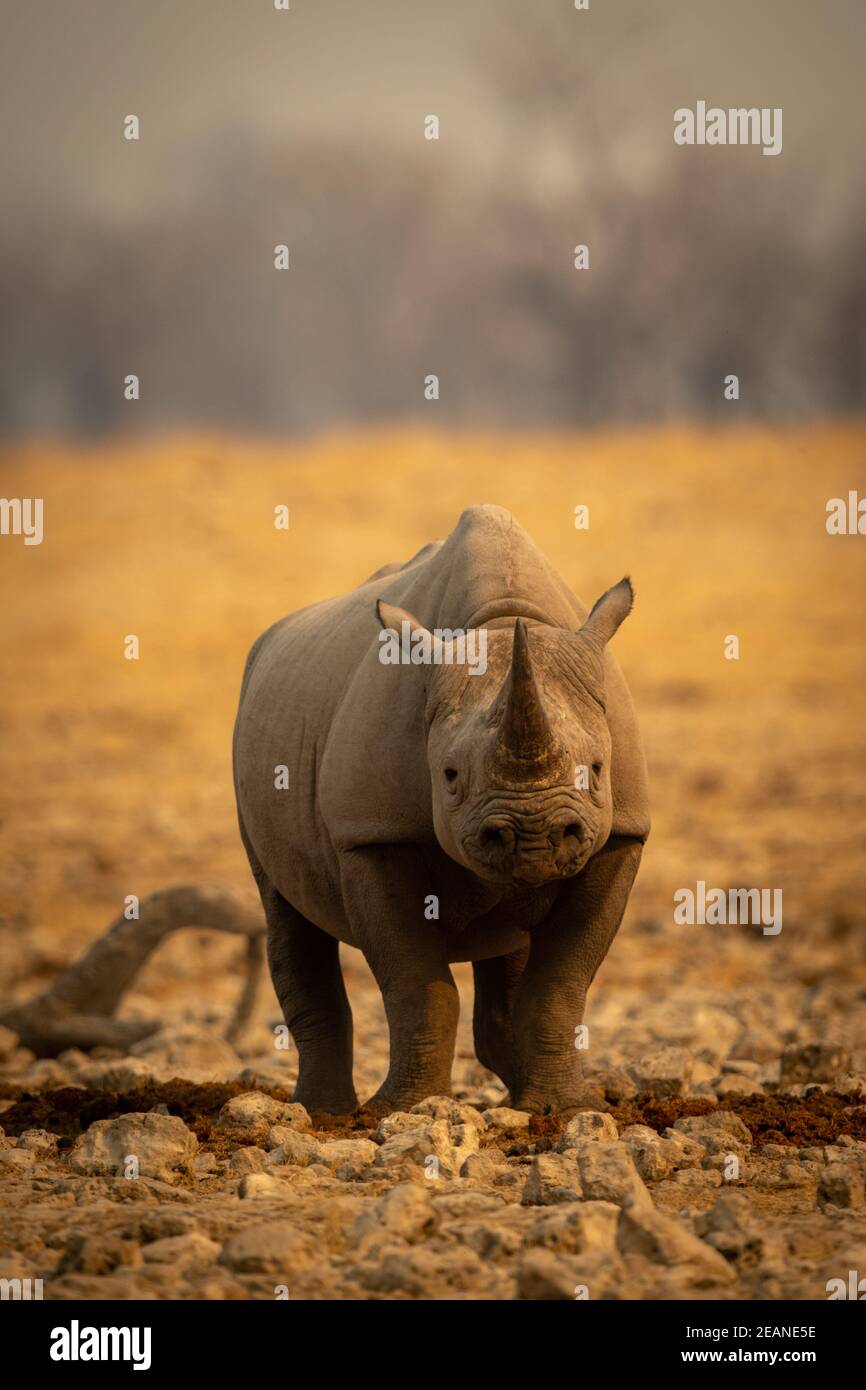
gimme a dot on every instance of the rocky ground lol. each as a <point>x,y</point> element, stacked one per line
<point>716,1161</point>
<point>707,1044</point>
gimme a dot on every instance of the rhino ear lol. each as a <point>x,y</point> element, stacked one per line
<point>608,612</point>
<point>391,617</point>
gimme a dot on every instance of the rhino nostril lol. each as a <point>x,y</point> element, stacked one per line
<point>499,839</point>
<point>572,833</point>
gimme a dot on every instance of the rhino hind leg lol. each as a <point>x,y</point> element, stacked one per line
<point>308,981</point>
<point>496,982</point>
<point>305,968</point>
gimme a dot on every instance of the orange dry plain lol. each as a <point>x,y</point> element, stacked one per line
<point>116,774</point>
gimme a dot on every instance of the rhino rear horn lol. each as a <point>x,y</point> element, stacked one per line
<point>608,612</point>
<point>525,737</point>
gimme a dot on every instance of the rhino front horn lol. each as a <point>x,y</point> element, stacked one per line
<point>525,741</point>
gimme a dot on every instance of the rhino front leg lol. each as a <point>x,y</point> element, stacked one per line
<point>384,892</point>
<point>566,951</point>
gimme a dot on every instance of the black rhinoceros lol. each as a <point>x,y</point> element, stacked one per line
<point>438,811</point>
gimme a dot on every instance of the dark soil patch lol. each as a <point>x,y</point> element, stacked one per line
<point>659,1113</point>
<point>815,1119</point>
<point>362,1121</point>
<point>70,1110</point>
<point>545,1126</point>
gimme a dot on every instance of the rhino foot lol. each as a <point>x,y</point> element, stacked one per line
<point>564,1104</point>
<point>385,1102</point>
<point>325,1103</point>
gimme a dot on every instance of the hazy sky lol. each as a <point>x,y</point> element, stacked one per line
<point>196,70</point>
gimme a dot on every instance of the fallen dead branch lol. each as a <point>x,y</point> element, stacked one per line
<point>78,1009</point>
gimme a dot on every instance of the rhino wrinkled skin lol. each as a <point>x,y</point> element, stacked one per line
<point>412,784</point>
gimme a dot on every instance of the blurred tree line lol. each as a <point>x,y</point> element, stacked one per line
<point>406,262</point>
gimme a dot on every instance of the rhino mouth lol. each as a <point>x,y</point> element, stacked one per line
<point>529,873</point>
<point>534,875</point>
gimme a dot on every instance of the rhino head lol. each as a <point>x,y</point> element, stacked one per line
<point>519,757</point>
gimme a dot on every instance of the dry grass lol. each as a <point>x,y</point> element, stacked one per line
<point>116,774</point>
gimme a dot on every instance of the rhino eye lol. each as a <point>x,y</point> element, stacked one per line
<point>596,769</point>
<point>450,774</point>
